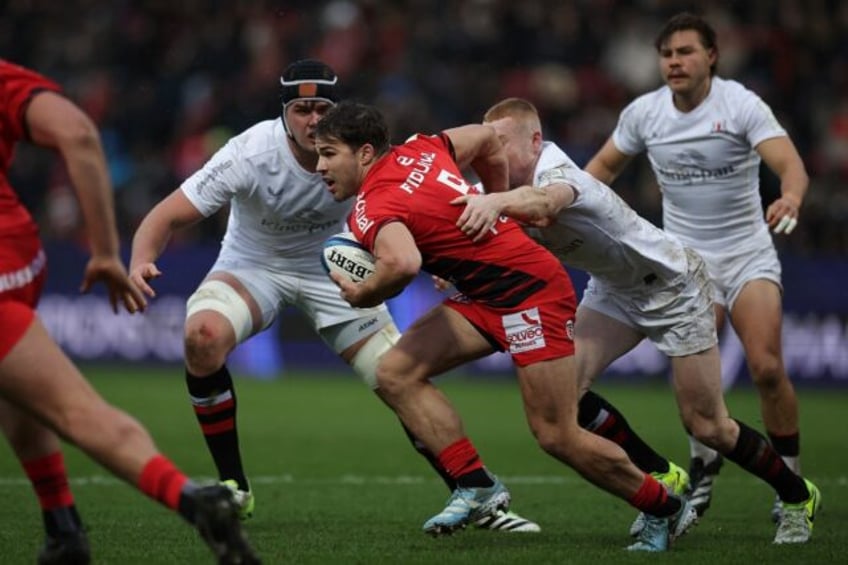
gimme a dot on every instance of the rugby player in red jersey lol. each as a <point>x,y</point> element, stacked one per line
<point>42,394</point>
<point>513,296</point>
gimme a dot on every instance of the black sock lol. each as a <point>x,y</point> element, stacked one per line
<point>214,401</point>
<point>786,446</point>
<point>431,459</point>
<point>187,506</point>
<point>476,478</point>
<point>754,454</point>
<point>63,520</point>
<point>602,418</point>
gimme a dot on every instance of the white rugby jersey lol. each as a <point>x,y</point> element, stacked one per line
<point>600,234</point>
<point>280,214</point>
<point>704,162</point>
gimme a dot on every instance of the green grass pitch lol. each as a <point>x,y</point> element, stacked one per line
<point>337,483</point>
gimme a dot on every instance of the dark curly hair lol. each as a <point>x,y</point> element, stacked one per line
<point>355,124</point>
<point>687,21</point>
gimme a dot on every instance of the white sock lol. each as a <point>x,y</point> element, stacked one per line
<point>793,463</point>
<point>701,451</point>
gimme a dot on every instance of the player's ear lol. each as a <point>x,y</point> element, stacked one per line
<point>712,54</point>
<point>366,154</point>
<point>537,141</point>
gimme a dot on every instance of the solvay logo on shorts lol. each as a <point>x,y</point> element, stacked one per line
<point>524,331</point>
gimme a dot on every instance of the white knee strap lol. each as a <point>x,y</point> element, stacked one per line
<point>365,361</point>
<point>220,297</point>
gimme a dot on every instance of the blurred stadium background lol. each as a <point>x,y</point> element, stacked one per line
<point>169,82</point>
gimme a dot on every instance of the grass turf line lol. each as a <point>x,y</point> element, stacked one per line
<point>336,481</point>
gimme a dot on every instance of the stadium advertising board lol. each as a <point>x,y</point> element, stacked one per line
<point>815,332</point>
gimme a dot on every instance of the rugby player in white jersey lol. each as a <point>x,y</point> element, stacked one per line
<point>280,215</point>
<point>705,137</point>
<point>643,283</point>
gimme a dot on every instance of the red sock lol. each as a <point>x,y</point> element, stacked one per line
<point>460,458</point>
<point>162,481</point>
<point>653,499</point>
<point>50,481</point>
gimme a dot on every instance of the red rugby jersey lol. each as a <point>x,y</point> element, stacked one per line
<point>17,87</point>
<point>414,184</point>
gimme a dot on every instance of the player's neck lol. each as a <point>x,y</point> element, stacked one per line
<point>688,101</point>
<point>304,157</point>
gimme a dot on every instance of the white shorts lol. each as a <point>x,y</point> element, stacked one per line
<point>312,292</point>
<point>730,271</point>
<point>677,317</point>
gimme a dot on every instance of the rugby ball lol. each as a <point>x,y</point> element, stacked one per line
<point>343,254</point>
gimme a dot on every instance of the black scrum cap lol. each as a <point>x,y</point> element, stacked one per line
<point>309,79</point>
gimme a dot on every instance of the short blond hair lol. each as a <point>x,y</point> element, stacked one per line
<point>512,107</point>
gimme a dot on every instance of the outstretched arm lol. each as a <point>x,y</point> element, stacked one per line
<point>782,158</point>
<point>54,121</point>
<point>173,213</point>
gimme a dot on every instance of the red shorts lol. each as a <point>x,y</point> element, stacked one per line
<point>15,319</point>
<point>23,270</point>
<point>539,329</point>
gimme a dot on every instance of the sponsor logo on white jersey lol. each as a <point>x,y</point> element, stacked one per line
<point>719,126</point>
<point>212,175</point>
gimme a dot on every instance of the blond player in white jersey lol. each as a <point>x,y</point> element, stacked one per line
<point>280,215</point>
<point>705,138</point>
<point>644,283</point>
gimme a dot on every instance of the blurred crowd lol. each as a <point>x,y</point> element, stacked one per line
<point>168,82</point>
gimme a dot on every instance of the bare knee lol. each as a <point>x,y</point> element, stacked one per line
<point>767,371</point>
<point>394,376</point>
<point>556,440</point>
<point>206,347</point>
<point>552,443</point>
<point>714,432</point>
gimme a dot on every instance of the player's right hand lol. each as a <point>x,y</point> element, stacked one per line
<point>142,273</point>
<point>480,215</point>
<point>110,271</point>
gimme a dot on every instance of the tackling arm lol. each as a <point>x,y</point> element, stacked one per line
<point>538,206</point>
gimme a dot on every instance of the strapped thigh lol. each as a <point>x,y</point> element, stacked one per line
<point>220,297</point>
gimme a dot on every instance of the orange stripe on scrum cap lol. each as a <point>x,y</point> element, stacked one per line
<point>307,90</point>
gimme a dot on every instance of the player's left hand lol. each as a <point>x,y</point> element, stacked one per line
<point>480,215</point>
<point>440,284</point>
<point>110,271</point>
<point>354,293</point>
<point>782,215</point>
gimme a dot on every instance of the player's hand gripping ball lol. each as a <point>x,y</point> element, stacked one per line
<point>344,255</point>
